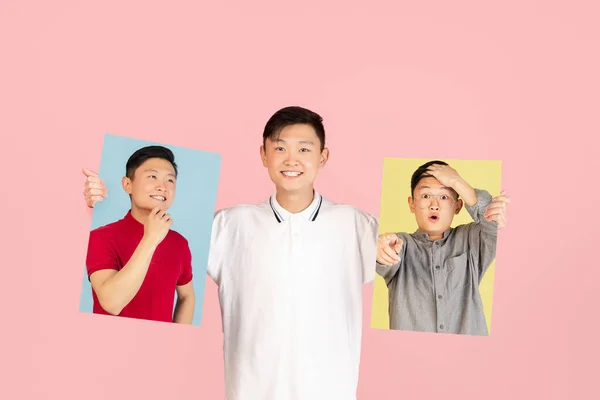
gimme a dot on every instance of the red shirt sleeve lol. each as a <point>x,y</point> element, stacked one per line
<point>101,254</point>
<point>186,275</point>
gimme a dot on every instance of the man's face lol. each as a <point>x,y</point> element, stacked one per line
<point>294,159</point>
<point>434,206</point>
<point>153,185</point>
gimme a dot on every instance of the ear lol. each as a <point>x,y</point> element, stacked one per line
<point>411,204</point>
<point>263,155</point>
<point>324,157</point>
<point>126,183</point>
<point>459,205</point>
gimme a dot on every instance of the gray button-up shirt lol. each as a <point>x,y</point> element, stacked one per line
<point>435,286</point>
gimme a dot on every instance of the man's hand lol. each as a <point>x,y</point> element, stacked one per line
<point>448,176</point>
<point>94,188</point>
<point>157,226</point>
<point>445,174</point>
<point>388,247</point>
<point>496,211</point>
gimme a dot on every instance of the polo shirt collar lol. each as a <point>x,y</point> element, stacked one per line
<point>310,213</point>
<point>132,223</point>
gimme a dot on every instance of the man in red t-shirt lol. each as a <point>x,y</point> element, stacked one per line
<point>136,264</point>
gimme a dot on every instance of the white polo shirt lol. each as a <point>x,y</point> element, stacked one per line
<point>290,289</point>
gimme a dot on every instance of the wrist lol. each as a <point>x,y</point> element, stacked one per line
<point>459,183</point>
<point>149,242</point>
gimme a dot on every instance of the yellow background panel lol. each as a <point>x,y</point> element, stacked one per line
<point>395,216</point>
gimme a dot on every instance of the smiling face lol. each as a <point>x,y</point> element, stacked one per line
<point>294,158</point>
<point>153,185</point>
<point>434,206</point>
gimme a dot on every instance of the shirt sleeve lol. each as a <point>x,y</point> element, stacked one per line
<point>388,273</point>
<point>186,268</point>
<point>483,234</point>
<point>101,254</point>
<point>369,250</point>
<point>216,250</point>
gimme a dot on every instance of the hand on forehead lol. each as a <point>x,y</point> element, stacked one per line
<point>430,184</point>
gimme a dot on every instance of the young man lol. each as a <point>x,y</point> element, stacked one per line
<point>433,274</point>
<point>290,272</point>
<point>137,264</point>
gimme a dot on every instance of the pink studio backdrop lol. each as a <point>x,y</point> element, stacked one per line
<point>515,81</point>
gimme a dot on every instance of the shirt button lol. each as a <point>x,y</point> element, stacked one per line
<point>437,267</point>
<point>441,326</point>
<point>439,296</point>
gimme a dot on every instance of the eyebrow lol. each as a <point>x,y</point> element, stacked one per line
<point>153,170</point>
<point>301,141</point>
<point>429,187</point>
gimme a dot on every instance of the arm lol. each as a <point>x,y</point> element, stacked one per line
<point>465,191</point>
<point>115,289</point>
<point>368,249</point>
<point>476,201</point>
<point>186,298</point>
<point>477,211</point>
<point>186,302</point>
<point>391,250</point>
<point>489,216</point>
<point>216,250</point>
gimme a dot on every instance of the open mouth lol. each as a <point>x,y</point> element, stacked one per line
<point>434,218</point>
<point>291,174</point>
<point>159,198</point>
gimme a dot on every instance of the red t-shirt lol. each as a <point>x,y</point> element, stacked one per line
<point>111,246</point>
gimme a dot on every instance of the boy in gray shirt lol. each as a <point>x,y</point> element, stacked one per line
<point>433,274</point>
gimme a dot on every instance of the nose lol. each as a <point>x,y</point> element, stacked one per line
<point>434,205</point>
<point>291,159</point>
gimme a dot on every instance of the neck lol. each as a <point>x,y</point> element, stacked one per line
<point>139,215</point>
<point>433,236</point>
<point>295,202</point>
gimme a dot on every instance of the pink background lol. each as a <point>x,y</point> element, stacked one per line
<point>515,81</point>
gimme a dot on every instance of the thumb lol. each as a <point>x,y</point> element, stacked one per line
<point>88,172</point>
<point>398,245</point>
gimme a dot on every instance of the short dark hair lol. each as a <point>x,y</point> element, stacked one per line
<point>421,173</point>
<point>144,154</point>
<point>290,116</point>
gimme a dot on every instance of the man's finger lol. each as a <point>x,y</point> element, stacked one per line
<point>385,260</point>
<point>500,221</point>
<point>496,206</point>
<point>398,245</point>
<point>388,251</point>
<point>491,213</point>
<point>94,185</point>
<point>388,237</point>
<point>95,192</point>
<point>88,172</point>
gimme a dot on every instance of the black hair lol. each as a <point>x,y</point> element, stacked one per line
<point>421,173</point>
<point>144,154</point>
<point>291,116</point>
